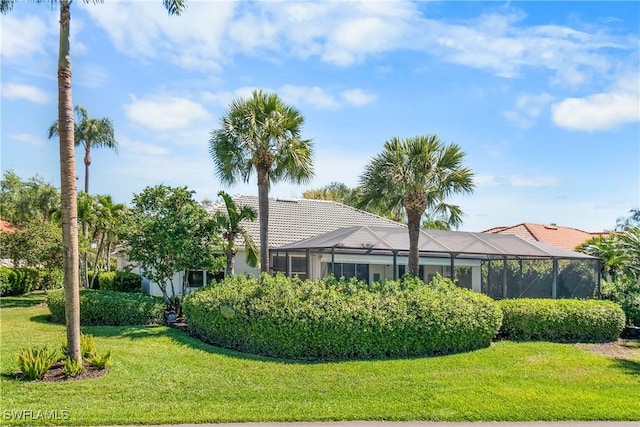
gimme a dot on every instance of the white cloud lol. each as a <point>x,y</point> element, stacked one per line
<point>601,111</point>
<point>163,113</point>
<point>484,180</point>
<point>23,37</point>
<point>15,91</point>
<point>358,97</point>
<point>312,95</point>
<point>528,109</point>
<point>27,138</point>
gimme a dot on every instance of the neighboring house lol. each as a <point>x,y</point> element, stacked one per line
<point>316,238</point>
<point>555,235</point>
<point>7,227</point>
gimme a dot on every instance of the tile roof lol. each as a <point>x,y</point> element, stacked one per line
<point>7,227</point>
<point>291,220</point>
<point>555,235</point>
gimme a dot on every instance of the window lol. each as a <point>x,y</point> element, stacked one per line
<point>347,270</point>
<point>297,265</point>
<point>200,278</point>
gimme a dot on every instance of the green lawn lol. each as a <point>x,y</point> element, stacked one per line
<point>162,375</point>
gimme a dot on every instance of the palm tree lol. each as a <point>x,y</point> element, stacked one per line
<point>417,174</point>
<point>68,188</point>
<point>229,222</point>
<point>261,135</point>
<point>89,132</point>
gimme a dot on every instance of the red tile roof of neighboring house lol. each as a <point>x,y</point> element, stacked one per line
<point>7,227</point>
<point>561,237</point>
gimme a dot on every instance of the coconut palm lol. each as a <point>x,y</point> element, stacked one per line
<point>90,133</point>
<point>68,188</point>
<point>261,135</point>
<point>417,174</point>
<point>229,222</point>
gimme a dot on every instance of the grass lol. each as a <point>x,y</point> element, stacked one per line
<point>164,376</point>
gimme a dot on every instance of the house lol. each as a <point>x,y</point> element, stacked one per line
<point>316,238</point>
<point>551,234</point>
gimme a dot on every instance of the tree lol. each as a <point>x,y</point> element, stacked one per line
<point>229,222</point>
<point>170,232</point>
<point>261,135</point>
<point>417,174</point>
<point>89,132</point>
<point>24,202</point>
<point>68,167</point>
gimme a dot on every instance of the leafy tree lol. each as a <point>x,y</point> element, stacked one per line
<point>229,222</point>
<point>90,133</point>
<point>261,135</point>
<point>633,220</point>
<point>68,166</point>
<point>170,232</point>
<point>24,202</point>
<point>417,174</point>
<point>38,245</point>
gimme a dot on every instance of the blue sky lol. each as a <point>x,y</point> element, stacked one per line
<point>544,97</point>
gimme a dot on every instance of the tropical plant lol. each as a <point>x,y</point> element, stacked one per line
<point>229,222</point>
<point>68,163</point>
<point>262,135</point>
<point>417,175</point>
<point>35,362</point>
<point>90,133</point>
<point>170,232</point>
<point>72,367</point>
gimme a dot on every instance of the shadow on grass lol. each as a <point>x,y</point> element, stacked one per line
<point>22,301</point>
<point>628,366</point>
<point>43,318</point>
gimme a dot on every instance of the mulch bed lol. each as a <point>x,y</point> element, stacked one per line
<point>56,374</point>
<point>616,350</point>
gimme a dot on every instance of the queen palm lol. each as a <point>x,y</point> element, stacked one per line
<point>261,135</point>
<point>89,132</point>
<point>229,222</point>
<point>68,190</point>
<point>417,174</point>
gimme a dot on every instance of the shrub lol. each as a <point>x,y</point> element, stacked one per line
<point>72,367</point>
<point>35,362</point>
<point>18,281</point>
<point>121,281</point>
<point>626,292</point>
<point>561,320</point>
<point>105,280</point>
<point>5,284</point>
<point>87,347</point>
<point>338,319</point>
<point>101,362</point>
<point>110,308</point>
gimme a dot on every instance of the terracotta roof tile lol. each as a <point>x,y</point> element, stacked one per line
<point>7,227</point>
<point>555,235</point>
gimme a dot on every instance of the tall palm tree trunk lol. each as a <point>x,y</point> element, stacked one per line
<point>85,226</point>
<point>263,211</point>
<point>68,189</point>
<point>413,224</point>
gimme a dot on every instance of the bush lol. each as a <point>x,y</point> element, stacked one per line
<point>18,281</point>
<point>626,292</point>
<point>72,367</point>
<point>35,362</point>
<point>110,308</point>
<point>337,319</point>
<point>561,320</point>
<point>121,281</point>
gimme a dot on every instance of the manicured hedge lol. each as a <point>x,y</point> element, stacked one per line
<point>18,281</point>
<point>110,308</point>
<point>121,281</point>
<point>561,320</point>
<point>331,319</point>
